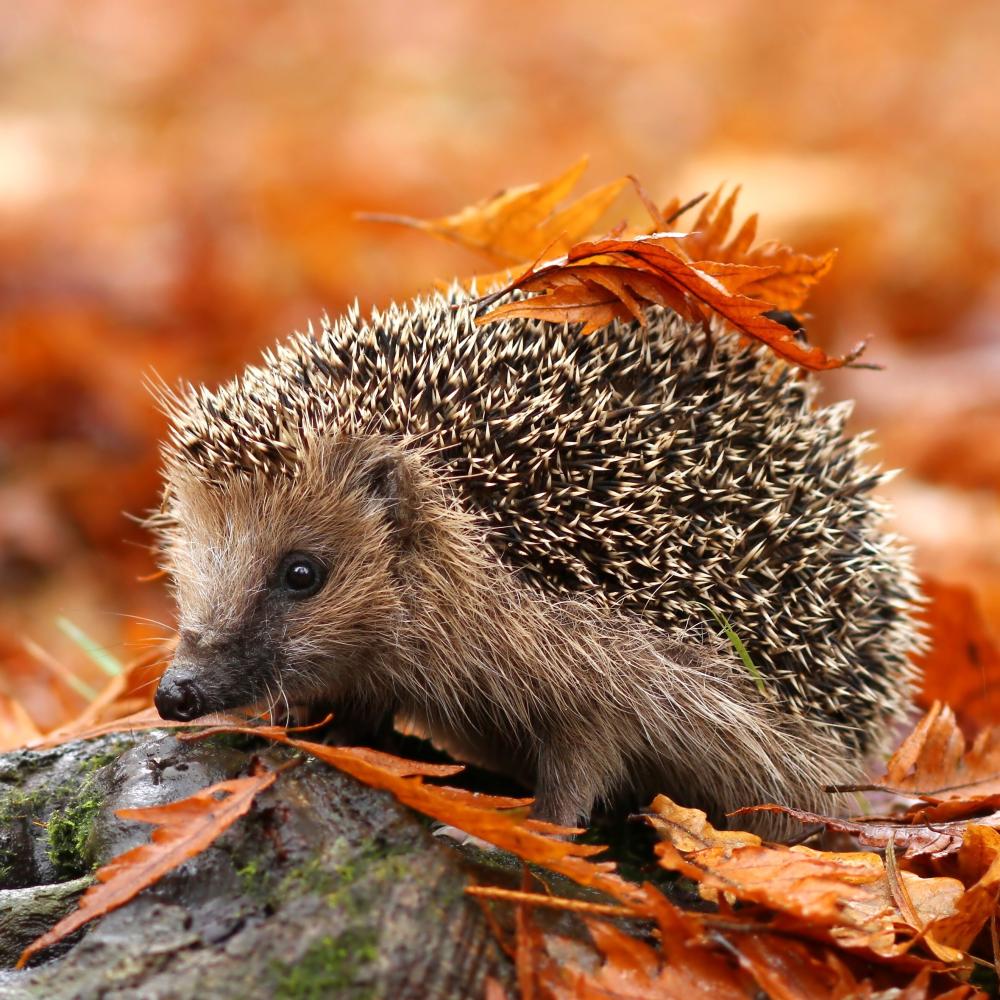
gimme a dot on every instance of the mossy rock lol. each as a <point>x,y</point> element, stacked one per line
<point>326,888</point>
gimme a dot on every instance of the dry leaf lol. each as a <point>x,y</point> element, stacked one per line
<point>789,276</point>
<point>846,894</point>
<point>962,664</point>
<point>183,829</point>
<point>913,833</point>
<point>933,761</point>
<point>979,865</point>
<point>16,727</point>
<point>521,223</point>
<point>478,815</point>
<point>600,281</point>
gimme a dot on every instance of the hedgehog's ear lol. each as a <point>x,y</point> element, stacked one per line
<point>388,479</point>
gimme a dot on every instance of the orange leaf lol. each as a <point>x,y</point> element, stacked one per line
<point>962,664</point>
<point>789,276</point>
<point>183,829</point>
<point>475,814</point>
<point>684,966</point>
<point>17,728</point>
<point>979,864</point>
<point>847,895</point>
<point>933,761</point>
<point>521,223</point>
<point>616,278</point>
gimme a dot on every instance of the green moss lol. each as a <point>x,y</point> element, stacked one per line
<point>68,830</point>
<point>109,756</point>
<point>339,868</point>
<point>329,967</point>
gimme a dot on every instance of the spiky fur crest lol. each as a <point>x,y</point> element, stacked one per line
<point>576,501</point>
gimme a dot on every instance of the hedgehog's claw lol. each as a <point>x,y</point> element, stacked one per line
<point>459,838</point>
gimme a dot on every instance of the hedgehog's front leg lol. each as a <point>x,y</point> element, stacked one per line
<point>567,784</point>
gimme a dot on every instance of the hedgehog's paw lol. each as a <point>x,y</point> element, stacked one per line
<point>459,838</point>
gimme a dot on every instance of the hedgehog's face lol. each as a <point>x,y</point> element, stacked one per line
<point>287,591</point>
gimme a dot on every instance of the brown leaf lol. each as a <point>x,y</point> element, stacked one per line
<point>478,815</point>
<point>847,895</point>
<point>786,969</point>
<point>934,763</point>
<point>979,866</point>
<point>521,223</point>
<point>962,664</point>
<point>916,837</point>
<point>17,729</point>
<point>787,276</point>
<point>599,281</point>
<point>183,829</point>
<point>147,718</point>
<point>683,965</point>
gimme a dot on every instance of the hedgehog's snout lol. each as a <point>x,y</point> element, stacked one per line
<point>179,698</point>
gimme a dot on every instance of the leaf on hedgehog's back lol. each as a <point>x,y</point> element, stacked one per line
<point>520,223</point>
<point>786,276</point>
<point>183,829</point>
<point>603,280</point>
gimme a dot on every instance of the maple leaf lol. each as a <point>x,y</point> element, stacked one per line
<point>598,282</point>
<point>521,223</point>
<point>183,829</point>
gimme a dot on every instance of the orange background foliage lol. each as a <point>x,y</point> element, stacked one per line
<point>177,183</point>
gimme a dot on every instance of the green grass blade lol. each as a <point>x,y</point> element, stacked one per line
<point>108,663</point>
<point>737,643</point>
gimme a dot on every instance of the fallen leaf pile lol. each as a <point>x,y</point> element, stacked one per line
<point>794,921</point>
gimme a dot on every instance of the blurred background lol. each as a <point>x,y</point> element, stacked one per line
<point>177,183</point>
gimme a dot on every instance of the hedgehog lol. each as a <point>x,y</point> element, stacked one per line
<point>516,539</point>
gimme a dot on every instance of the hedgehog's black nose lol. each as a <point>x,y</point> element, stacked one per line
<point>179,699</point>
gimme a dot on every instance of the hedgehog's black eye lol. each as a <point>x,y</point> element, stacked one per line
<point>301,575</point>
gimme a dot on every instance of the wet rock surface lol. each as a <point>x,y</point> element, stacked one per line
<point>326,888</point>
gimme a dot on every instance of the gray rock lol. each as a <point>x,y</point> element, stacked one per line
<point>326,888</point>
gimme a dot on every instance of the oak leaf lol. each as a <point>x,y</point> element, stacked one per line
<point>183,829</point>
